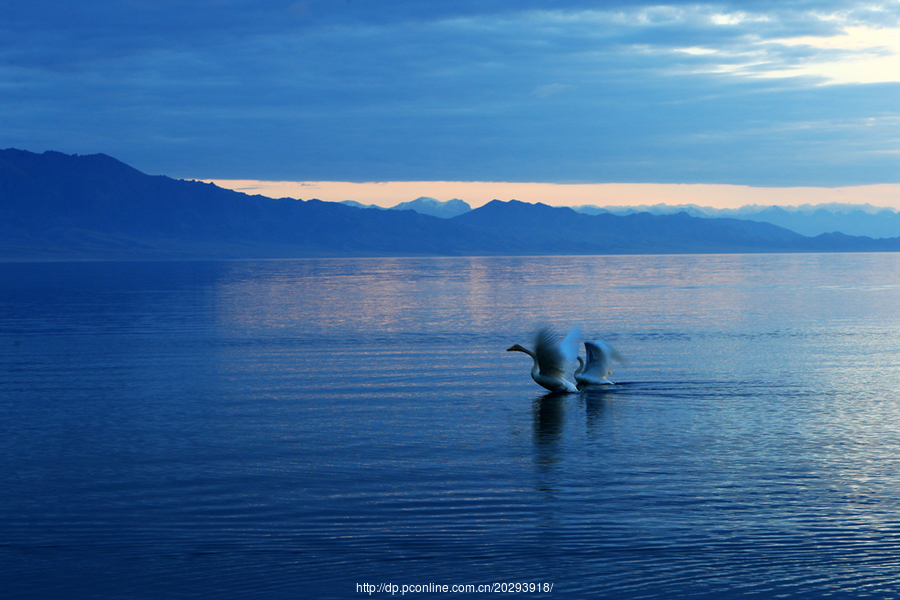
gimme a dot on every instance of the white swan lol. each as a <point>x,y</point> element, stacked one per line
<point>599,364</point>
<point>552,360</point>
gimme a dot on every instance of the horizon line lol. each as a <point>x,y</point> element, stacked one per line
<point>387,194</point>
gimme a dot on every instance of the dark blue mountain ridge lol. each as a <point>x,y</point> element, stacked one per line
<point>565,230</point>
<point>55,206</point>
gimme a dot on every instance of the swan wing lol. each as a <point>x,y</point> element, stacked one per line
<point>555,356</point>
<point>599,359</point>
<point>569,345</point>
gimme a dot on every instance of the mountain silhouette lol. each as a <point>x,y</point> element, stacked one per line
<point>529,227</point>
<point>849,219</point>
<point>435,208</point>
<point>55,206</point>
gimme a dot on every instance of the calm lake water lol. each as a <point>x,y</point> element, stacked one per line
<point>297,429</point>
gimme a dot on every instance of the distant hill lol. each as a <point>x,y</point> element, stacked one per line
<point>436,208</point>
<point>55,206</point>
<point>884,223</point>
<point>555,230</point>
<point>423,205</point>
<point>849,219</point>
<point>356,204</point>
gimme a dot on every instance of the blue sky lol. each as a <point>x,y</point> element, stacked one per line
<point>756,93</point>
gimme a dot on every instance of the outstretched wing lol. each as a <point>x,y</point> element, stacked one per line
<point>599,359</point>
<point>555,356</point>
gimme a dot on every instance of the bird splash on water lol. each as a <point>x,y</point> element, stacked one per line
<point>552,359</point>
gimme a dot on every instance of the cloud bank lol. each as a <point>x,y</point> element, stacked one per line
<point>794,93</point>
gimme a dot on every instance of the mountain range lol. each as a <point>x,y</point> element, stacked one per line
<point>809,220</point>
<point>55,206</point>
<point>424,205</point>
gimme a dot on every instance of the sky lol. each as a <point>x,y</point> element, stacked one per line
<point>539,100</point>
<point>478,193</point>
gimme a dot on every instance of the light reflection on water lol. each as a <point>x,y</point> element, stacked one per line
<point>292,428</point>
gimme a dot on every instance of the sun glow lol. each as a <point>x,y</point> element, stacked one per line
<point>861,55</point>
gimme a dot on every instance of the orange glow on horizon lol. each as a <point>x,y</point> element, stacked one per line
<point>388,194</point>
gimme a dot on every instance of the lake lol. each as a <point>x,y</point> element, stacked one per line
<point>309,428</point>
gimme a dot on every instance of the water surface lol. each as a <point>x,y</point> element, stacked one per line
<point>289,429</point>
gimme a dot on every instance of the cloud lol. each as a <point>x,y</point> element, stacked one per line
<point>861,54</point>
<point>765,93</point>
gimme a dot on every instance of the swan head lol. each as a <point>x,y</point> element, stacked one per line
<point>517,348</point>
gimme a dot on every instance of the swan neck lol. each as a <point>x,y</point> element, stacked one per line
<point>537,367</point>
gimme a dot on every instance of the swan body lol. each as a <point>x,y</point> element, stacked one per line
<point>552,359</point>
<point>598,367</point>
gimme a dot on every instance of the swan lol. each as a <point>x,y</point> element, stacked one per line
<point>598,367</point>
<point>552,359</point>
